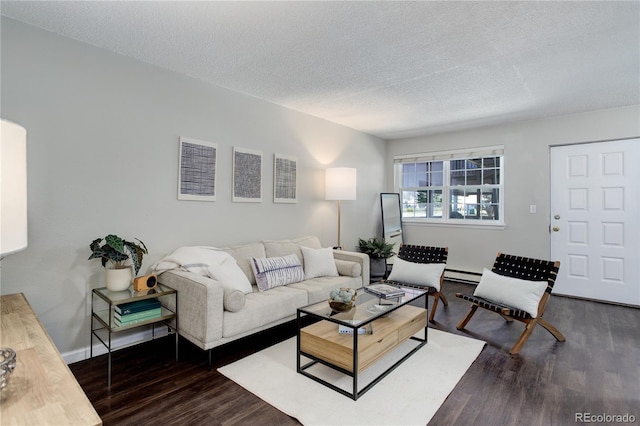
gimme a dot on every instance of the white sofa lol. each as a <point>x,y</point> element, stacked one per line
<point>211,314</point>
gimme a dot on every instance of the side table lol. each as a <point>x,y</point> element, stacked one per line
<point>103,305</point>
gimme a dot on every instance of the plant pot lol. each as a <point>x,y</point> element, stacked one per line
<point>119,279</point>
<point>377,268</point>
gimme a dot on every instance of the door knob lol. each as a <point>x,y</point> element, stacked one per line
<point>556,229</point>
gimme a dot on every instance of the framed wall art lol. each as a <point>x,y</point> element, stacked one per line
<point>285,179</point>
<point>197,170</point>
<point>247,176</point>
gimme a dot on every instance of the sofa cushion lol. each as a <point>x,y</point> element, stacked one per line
<point>273,272</point>
<point>318,262</point>
<point>243,254</point>
<point>262,308</point>
<point>318,289</point>
<point>285,247</point>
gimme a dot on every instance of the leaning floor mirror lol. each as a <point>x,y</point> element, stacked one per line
<point>391,220</point>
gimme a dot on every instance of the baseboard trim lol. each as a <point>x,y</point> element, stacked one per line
<point>118,341</point>
<point>461,276</point>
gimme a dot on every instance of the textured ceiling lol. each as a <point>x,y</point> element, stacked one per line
<point>391,69</point>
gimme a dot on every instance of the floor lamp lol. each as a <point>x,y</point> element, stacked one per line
<point>13,195</point>
<point>13,211</point>
<point>340,185</point>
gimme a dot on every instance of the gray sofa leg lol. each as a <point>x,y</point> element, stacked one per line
<point>209,351</point>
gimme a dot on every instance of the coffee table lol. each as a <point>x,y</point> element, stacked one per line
<point>392,322</point>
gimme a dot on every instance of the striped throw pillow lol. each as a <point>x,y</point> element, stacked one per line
<point>273,272</point>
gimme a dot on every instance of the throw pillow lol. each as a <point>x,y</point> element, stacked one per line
<point>230,275</point>
<point>286,247</point>
<point>348,268</point>
<point>422,274</point>
<point>273,272</point>
<point>520,294</point>
<point>233,300</point>
<point>318,262</point>
<point>243,254</point>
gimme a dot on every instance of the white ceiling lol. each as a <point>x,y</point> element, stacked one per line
<point>391,69</point>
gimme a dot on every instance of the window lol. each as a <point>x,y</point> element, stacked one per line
<point>458,187</point>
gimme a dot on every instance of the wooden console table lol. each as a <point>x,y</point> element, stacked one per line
<point>42,389</point>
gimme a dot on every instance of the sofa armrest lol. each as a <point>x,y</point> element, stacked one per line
<point>361,258</point>
<point>200,305</point>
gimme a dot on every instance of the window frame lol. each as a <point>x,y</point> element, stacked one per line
<point>446,188</point>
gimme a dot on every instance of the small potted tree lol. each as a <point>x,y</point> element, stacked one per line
<point>118,256</point>
<point>379,251</point>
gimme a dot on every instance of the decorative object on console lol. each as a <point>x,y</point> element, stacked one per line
<point>7,365</point>
<point>340,184</point>
<point>285,179</point>
<point>247,176</point>
<point>342,300</point>
<point>198,168</point>
<point>122,255</point>
<point>379,251</point>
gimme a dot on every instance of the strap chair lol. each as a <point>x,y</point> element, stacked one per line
<point>423,255</point>
<point>522,268</point>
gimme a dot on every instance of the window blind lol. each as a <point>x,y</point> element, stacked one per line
<point>458,154</point>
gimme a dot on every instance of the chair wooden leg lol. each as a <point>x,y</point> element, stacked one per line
<point>433,307</point>
<point>530,325</point>
<point>551,329</point>
<point>444,299</point>
<point>462,324</point>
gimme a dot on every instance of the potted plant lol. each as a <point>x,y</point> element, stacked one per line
<point>121,255</point>
<point>379,251</point>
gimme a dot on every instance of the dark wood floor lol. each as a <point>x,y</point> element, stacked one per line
<point>597,371</point>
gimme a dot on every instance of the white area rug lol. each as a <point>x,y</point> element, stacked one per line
<point>409,395</point>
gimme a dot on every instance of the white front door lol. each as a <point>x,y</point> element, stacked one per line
<point>595,220</point>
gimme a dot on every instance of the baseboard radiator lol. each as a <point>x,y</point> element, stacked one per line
<point>460,276</point>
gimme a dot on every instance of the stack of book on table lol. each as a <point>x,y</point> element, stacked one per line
<point>136,312</point>
<point>343,329</point>
<point>384,291</point>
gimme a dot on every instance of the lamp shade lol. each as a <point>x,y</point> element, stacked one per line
<point>340,183</point>
<point>13,192</point>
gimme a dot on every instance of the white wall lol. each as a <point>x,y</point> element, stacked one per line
<point>102,133</point>
<point>526,177</point>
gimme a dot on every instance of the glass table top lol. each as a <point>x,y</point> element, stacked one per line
<point>367,307</point>
<point>130,294</point>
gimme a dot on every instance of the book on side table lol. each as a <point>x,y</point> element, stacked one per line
<point>137,306</point>
<point>137,316</point>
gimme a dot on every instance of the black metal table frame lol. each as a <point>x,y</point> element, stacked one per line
<point>110,328</point>
<point>355,394</point>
